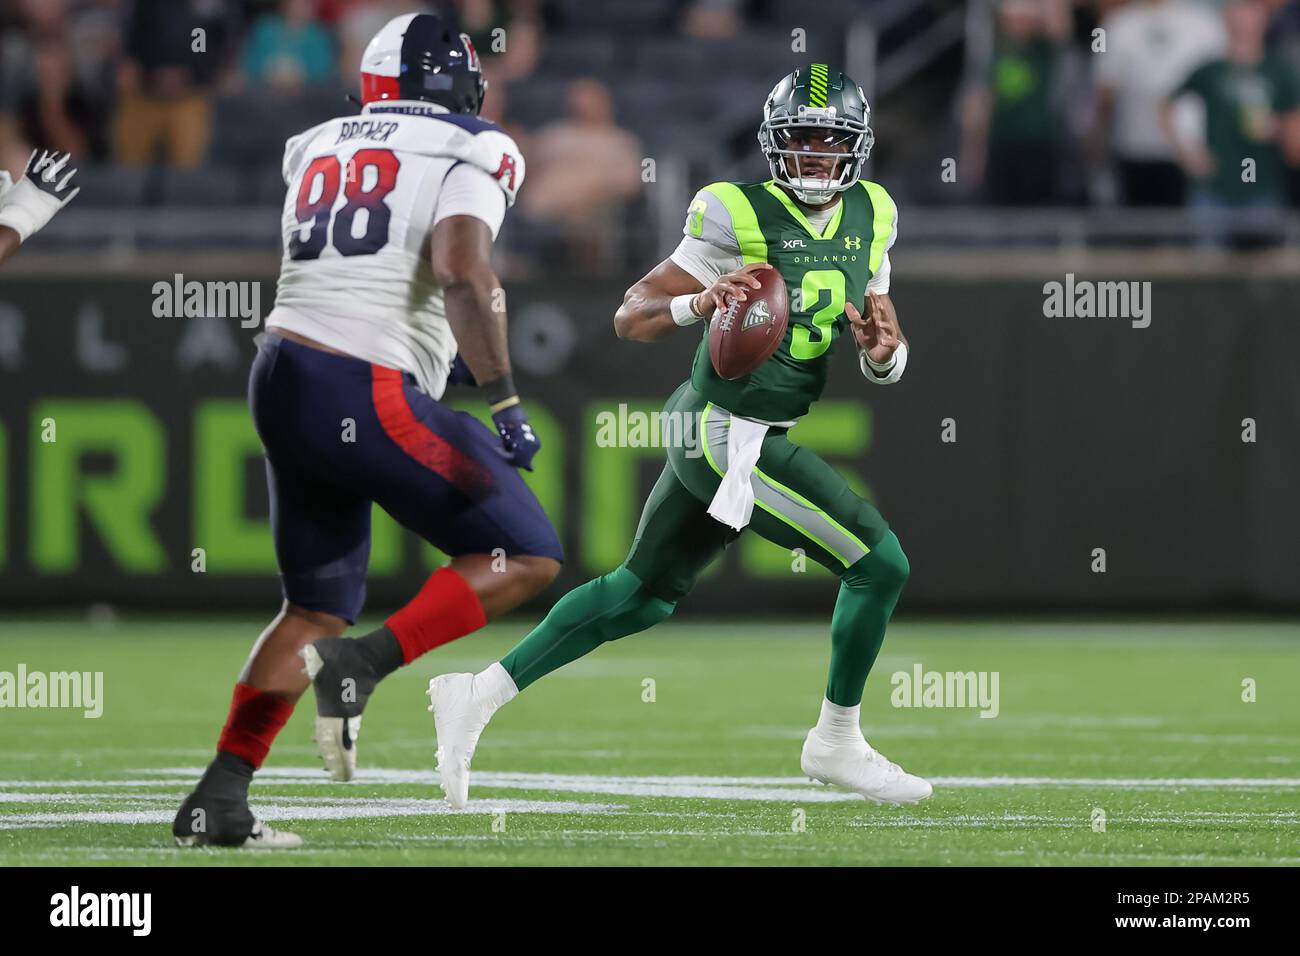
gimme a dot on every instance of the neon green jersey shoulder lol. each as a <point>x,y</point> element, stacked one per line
<point>822,271</point>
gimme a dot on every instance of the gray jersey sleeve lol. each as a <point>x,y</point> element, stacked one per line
<point>709,247</point>
<point>708,220</point>
<point>704,261</point>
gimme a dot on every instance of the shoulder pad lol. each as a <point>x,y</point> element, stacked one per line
<point>471,140</point>
<point>883,205</point>
<point>295,147</point>
<point>496,154</point>
<point>709,220</point>
<point>884,221</point>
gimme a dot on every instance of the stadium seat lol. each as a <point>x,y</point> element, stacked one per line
<point>267,186</point>
<point>535,102</point>
<point>669,58</point>
<point>634,17</point>
<point>249,129</point>
<point>206,186</point>
<point>640,103</point>
<point>113,187</point>
<point>795,13</point>
<point>767,55</point>
<point>579,55</point>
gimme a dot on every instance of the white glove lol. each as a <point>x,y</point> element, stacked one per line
<point>32,201</point>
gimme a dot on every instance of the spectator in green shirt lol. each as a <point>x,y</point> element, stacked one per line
<point>1012,131</point>
<point>1252,132</point>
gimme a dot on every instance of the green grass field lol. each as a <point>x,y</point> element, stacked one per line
<point>1143,721</point>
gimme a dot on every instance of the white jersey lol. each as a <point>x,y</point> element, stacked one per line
<point>364,193</point>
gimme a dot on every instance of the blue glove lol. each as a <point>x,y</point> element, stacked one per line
<point>518,443</point>
<point>459,374</point>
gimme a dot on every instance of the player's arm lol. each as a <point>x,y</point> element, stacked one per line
<point>669,297</point>
<point>461,250</point>
<point>705,268</point>
<point>30,203</point>
<point>1191,154</point>
<point>881,344</point>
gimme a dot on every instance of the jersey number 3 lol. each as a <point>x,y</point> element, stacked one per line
<point>328,172</point>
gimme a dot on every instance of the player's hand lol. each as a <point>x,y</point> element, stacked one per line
<point>876,333</point>
<point>732,284</point>
<point>46,171</point>
<point>459,373</point>
<point>518,443</point>
<point>42,192</point>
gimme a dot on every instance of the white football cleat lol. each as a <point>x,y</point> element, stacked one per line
<point>336,742</point>
<point>459,716</point>
<point>856,766</point>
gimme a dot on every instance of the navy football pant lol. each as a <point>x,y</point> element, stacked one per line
<point>340,433</point>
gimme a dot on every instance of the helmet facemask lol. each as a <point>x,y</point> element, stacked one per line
<point>845,142</point>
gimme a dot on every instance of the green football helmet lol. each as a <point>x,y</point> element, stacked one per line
<point>812,106</point>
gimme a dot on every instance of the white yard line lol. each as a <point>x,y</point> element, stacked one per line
<point>350,809</point>
<point>533,780</point>
<point>655,785</point>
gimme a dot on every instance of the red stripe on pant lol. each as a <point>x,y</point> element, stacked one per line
<point>388,394</point>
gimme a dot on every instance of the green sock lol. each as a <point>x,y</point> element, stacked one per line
<point>605,609</point>
<point>869,590</point>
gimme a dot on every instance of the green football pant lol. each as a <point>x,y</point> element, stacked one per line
<point>801,503</point>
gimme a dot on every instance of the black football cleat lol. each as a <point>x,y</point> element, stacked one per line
<point>343,676</point>
<point>217,812</point>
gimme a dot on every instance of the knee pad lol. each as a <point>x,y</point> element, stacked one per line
<point>885,568</point>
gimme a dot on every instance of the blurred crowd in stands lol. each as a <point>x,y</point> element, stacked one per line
<point>1190,103</point>
<point>189,102</point>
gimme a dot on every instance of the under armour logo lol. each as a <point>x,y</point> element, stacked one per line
<point>852,242</point>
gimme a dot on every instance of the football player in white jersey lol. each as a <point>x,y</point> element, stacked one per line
<point>386,291</point>
<point>29,204</point>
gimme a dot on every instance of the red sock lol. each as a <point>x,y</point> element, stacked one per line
<point>255,718</point>
<point>446,608</point>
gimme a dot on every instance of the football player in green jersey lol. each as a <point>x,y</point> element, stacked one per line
<point>829,234</point>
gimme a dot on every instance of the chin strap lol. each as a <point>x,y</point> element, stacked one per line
<point>813,198</point>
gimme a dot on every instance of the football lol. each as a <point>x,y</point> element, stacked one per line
<point>745,334</point>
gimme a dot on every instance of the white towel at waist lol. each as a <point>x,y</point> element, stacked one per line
<point>733,503</point>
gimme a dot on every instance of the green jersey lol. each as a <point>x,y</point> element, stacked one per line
<point>1241,102</point>
<point>759,222</point>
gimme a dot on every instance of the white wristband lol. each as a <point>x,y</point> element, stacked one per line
<point>888,373</point>
<point>682,311</point>
<point>881,369</point>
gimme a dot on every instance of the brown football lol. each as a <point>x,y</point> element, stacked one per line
<point>745,334</point>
